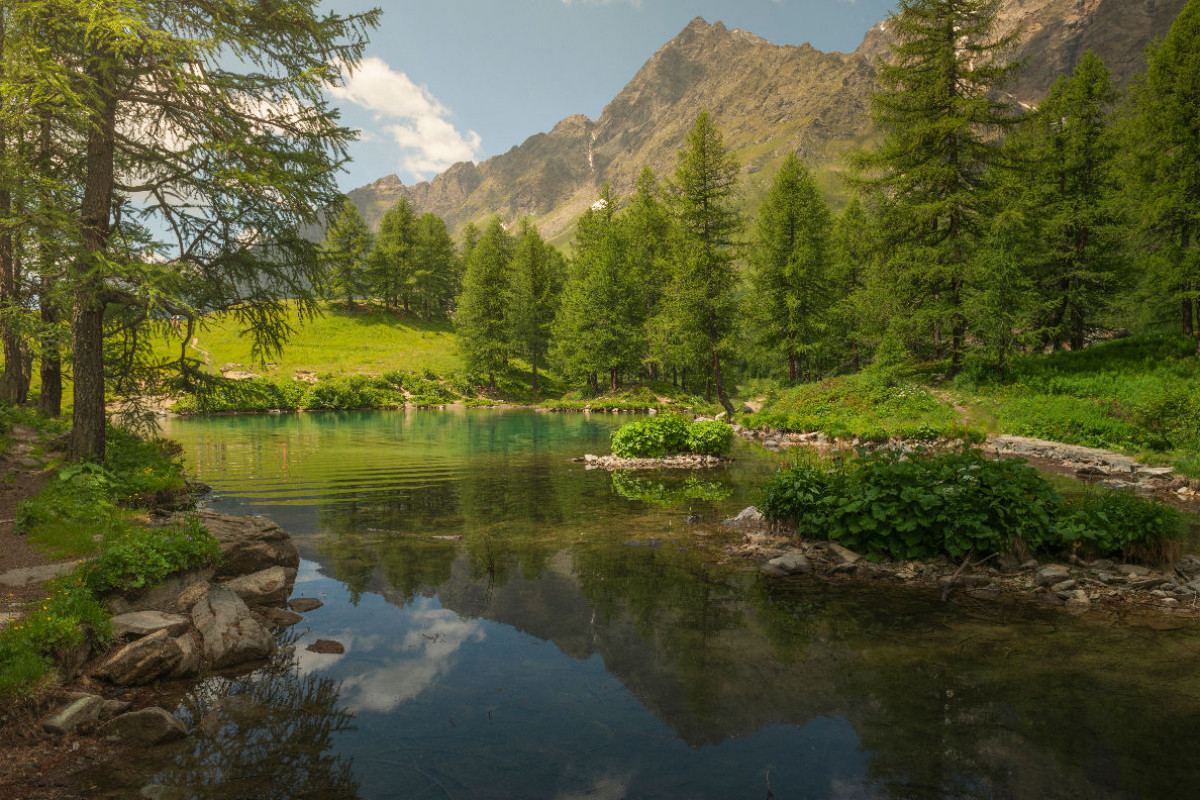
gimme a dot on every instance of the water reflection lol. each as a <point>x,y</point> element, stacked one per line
<point>516,626</point>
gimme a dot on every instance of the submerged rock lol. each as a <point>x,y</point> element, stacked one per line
<point>793,563</point>
<point>749,518</point>
<point>148,727</point>
<point>84,711</point>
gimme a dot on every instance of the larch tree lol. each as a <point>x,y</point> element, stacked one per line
<point>437,276</point>
<point>390,267</point>
<point>214,117</point>
<point>346,248</point>
<point>537,280</point>
<point>482,317</point>
<point>939,114</point>
<point>704,205</point>
<point>1165,143</point>
<point>790,265</point>
<point>1065,153</point>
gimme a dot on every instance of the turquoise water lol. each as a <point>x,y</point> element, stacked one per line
<point>516,626</point>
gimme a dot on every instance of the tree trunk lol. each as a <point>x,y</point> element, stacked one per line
<point>10,381</point>
<point>614,380</point>
<point>533,364</point>
<point>492,381</point>
<point>87,321</point>
<point>958,337</point>
<point>1188,320</point>
<point>721,396</point>
<point>50,399</point>
<point>792,366</point>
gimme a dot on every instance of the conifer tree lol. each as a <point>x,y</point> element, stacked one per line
<point>850,273</point>
<point>600,325</point>
<point>437,277</point>
<point>346,248</point>
<point>537,281</point>
<point>482,319</point>
<point>790,267</point>
<point>391,262</point>
<point>940,116</point>
<point>699,302</point>
<point>1163,138</point>
<point>1066,178</point>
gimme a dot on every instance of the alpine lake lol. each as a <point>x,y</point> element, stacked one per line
<point>517,626</point>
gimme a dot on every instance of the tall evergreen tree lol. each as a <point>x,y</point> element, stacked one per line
<point>346,248</point>
<point>537,281</point>
<point>391,262</point>
<point>600,325</point>
<point>1066,177</point>
<point>437,274</point>
<point>790,266</point>
<point>1163,137</point>
<point>703,203</point>
<point>482,319</point>
<point>853,254</point>
<point>940,116</point>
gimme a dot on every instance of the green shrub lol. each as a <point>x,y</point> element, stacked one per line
<point>709,438</point>
<point>344,392</point>
<point>144,556</point>
<point>653,437</point>
<point>140,471</point>
<point>50,627</point>
<point>256,394</point>
<point>1118,523</point>
<point>920,506</point>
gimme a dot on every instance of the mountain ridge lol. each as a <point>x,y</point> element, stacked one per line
<point>767,99</point>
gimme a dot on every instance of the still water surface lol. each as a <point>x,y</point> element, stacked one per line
<point>516,626</point>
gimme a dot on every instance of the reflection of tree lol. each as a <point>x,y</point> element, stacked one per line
<point>668,493</point>
<point>268,735</point>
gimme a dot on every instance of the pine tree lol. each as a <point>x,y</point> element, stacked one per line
<point>346,248</point>
<point>790,266</point>
<point>600,325</point>
<point>482,319</point>
<point>537,281</point>
<point>1066,178</point>
<point>939,115</point>
<point>703,203</point>
<point>437,276</point>
<point>850,273</point>
<point>1163,139</point>
<point>391,263</point>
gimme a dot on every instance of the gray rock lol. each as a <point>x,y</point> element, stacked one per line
<point>268,587</point>
<point>169,596</point>
<point>142,661</point>
<point>249,544</point>
<point>148,727</point>
<point>847,555</point>
<point>1052,574</point>
<point>772,571</point>
<point>1065,586</point>
<point>114,707</point>
<point>793,563</point>
<point>1194,586</point>
<point>230,634</point>
<point>1079,599</point>
<point>191,658</point>
<point>749,518</point>
<point>144,623</point>
<point>1169,602</point>
<point>1133,570</point>
<point>303,605</point>
<point>276,617</point>
<point>84,711</point>
<point>41,574</point>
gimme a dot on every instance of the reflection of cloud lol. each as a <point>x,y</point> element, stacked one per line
<point>426,652</point>
<point>608,788</point>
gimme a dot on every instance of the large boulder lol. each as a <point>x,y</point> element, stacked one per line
<point>136,624</point>
<point>172,595</point>
<point>250,544</point>
<point>230,634</point>
<point>147,727</point>
<point>268,587</point>
<point>142,661</point>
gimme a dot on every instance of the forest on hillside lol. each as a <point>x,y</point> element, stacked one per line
<point>978,230</point>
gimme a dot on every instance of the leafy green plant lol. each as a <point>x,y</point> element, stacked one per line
<point>709,438</point>
<point>50,627</point>
<point>346,392</point>
<point>1119,523</point>
<point>653,437</point>
<point>144,556</point>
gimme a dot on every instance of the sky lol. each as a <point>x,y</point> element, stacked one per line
<point>444,81</point>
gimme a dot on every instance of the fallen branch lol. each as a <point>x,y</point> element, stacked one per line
<point>954,580</point>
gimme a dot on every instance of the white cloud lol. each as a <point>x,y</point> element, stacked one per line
<point>419,124</point>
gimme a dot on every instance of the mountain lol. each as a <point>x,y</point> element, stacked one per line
<point>768,100</point>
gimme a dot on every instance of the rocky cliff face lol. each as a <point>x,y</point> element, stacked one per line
<point>768,100</point>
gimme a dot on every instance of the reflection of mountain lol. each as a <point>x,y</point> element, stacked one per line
<point>946,703</point>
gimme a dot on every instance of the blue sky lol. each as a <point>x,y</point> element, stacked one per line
<point>456,80</point>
